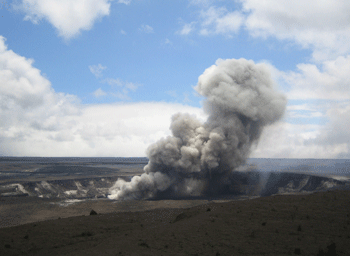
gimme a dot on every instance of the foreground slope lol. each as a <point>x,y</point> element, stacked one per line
<point>312,224</point>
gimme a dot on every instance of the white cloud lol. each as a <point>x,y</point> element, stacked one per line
<point>99,93</point>
<point>119,89</point>
<point>204,3</point>
<point>127,2</point>
<point>337,131</point>
<point>27,101</point>
<point>185,98</point>
<point>304,106</point>
<point>97,70</point>
<point>123,88</point>
<point>68,17</point>
<point>37,121</point>
<point>102,130</point>
<point>303,111</point>
<point>187,29</point>
<point>285,140</point>
<point>122,94</point>
<point>122,32</point>
<point>218,20</point>
<point>112,81</point>
<point>330,81</point>
<point>296,114</point>
<point>214,20</point>
<point>146,29</point>
<point>131,86</point>
<point>167,41</point>
<point>324,26</point>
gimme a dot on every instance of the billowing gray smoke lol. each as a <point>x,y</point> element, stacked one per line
<point>199,158</point>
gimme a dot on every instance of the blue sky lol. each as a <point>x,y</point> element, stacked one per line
<point>103,78</point>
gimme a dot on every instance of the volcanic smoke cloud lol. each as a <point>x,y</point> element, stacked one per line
<point>200,157</point>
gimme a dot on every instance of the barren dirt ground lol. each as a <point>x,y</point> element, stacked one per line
<point>314,224</point>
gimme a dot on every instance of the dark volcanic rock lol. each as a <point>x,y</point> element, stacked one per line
<point>93,212</point>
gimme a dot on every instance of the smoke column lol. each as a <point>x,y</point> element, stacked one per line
<point>199,157</point>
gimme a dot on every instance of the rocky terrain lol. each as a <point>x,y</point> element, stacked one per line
<point>303,224</point>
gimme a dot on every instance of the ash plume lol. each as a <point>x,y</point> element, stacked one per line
<point>198,158</point>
